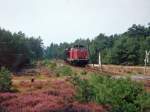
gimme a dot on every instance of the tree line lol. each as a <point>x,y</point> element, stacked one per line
<point>128,48</point>
<point>17,50</point>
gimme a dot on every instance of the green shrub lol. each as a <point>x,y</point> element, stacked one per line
<point>5,80</point>
<point>64,71</point>
<point>123,95</point>
<point>45,62</point>
<point>50,64</point>
<point>85,91</point>
<point>60,70</point>
<point>83,72</point>
<point>143,100</point>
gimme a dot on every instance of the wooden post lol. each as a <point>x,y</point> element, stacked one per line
<point>146,60</point>
<point>100,62</point>
<point>145,67</point>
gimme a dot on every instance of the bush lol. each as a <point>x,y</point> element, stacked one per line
<point>83,72</point>
<point>52,65</point>
<point>44,62</point>
<point>49,64</point>
<point>60,70</point>
<point>64,71</point>
<point>123,95</point>
<point>5,80</point>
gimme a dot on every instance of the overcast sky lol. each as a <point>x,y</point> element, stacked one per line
<point>66,20</point>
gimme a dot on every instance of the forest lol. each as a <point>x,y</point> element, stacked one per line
<point>17,50</point>
<point>128,48</point>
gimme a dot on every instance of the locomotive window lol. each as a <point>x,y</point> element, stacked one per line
<point>78,46</point>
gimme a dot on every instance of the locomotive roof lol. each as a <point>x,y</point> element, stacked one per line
<point>78,46</point>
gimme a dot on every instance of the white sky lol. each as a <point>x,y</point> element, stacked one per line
<point>66,20</point>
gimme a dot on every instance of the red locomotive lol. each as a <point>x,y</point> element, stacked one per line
<point>77,55</point>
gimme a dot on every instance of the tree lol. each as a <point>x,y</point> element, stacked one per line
<point>5,80</point>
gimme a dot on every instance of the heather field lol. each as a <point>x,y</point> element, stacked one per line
<point>52,95</point>
<point>54,86</point>
<point>47,93</point>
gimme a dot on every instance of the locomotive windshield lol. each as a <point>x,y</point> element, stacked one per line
<point>78,46</point>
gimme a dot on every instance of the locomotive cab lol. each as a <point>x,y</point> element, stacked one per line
<point>77,55</point>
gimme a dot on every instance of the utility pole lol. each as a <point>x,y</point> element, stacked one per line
<point>146,60</point>
<point>100,62</point>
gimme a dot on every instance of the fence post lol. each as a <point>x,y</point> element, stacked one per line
<point>146,60</point>
<point>100,62</point>
<point>145,67</point>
